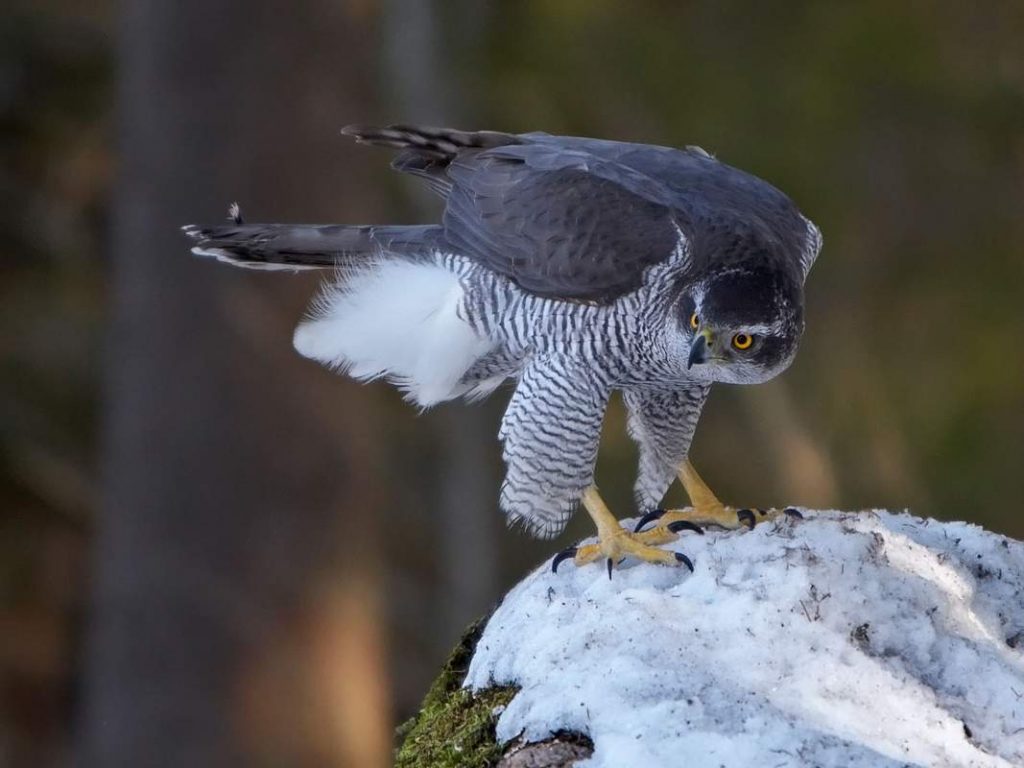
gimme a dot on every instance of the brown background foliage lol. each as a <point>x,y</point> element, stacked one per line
<point>211,551</point>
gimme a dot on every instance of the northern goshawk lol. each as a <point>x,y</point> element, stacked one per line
<point>574,267</point>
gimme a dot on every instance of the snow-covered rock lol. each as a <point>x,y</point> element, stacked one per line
<point>866,639</point>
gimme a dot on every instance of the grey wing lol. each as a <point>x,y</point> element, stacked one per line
<point>560,223</point>
<point>550,435</point>
<point>662,423</point>
<point>551,213</point>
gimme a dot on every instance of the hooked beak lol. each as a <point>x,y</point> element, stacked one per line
<point>699,349</point>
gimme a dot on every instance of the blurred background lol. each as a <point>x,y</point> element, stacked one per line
<point>213,552</point>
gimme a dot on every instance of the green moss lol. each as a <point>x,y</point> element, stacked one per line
<point>454,727</point>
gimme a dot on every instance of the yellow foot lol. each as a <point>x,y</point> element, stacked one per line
<point>706,510</point>
<point>671,522</point>
<point>616,543</point>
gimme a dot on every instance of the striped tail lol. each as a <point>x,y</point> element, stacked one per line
<point>440,143</point>
<point>308,246</point>
<point>427,152</point>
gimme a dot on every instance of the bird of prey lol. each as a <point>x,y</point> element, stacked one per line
<point>574,267</point>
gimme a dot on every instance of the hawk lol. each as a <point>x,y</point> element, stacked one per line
<point>574,267</point>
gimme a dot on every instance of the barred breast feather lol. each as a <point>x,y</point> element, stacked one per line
<point>550,436</point>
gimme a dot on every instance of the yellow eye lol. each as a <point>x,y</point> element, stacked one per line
<point>742,340</point>
<point>694,321</point>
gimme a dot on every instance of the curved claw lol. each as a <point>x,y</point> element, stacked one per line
<point>648,517</point>
<point>565,554</point>
<point>793,512</point>
<point>610,564</point>
<point>746,516</point>
<point>680,557</point>
<point>685,525</point>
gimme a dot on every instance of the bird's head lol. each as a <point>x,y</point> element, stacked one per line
<point>741,324</point>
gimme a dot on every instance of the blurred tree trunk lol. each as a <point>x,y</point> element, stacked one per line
<point>237,618</point>
<point>423,87</point>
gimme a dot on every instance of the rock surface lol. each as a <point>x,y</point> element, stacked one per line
<point>866,639</point>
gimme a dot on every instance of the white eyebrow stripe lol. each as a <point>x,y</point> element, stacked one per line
<point>775,329</point>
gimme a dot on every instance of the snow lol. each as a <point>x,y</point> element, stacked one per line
<point>844,639</point>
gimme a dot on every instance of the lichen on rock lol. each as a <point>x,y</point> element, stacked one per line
<point>455,726</point>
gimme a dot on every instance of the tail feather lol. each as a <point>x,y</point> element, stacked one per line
<point>308,246</point>
<point>427,152</point>
<point>439,143</point>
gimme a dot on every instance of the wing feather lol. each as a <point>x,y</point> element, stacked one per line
<point>584,219</point>
<point>560,224</point>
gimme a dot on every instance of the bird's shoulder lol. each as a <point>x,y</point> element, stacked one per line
<point>726,213</point>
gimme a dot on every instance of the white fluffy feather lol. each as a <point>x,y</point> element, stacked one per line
<point>398,320</point>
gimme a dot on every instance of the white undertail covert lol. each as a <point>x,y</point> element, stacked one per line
<point>399,320</point>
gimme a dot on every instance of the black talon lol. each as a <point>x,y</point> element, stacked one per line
<point>610,564</point>
<point>793,512</point>
<point>685,525</point>
<point>565,554</point>
<point>649,517</point>
<point>684,560</point>
<point>746,517</point>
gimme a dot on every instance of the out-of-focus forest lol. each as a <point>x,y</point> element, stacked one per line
<point>213,552</point>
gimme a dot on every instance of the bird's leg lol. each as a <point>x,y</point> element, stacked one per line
<point>706,509</point>
<point>614,541</point>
